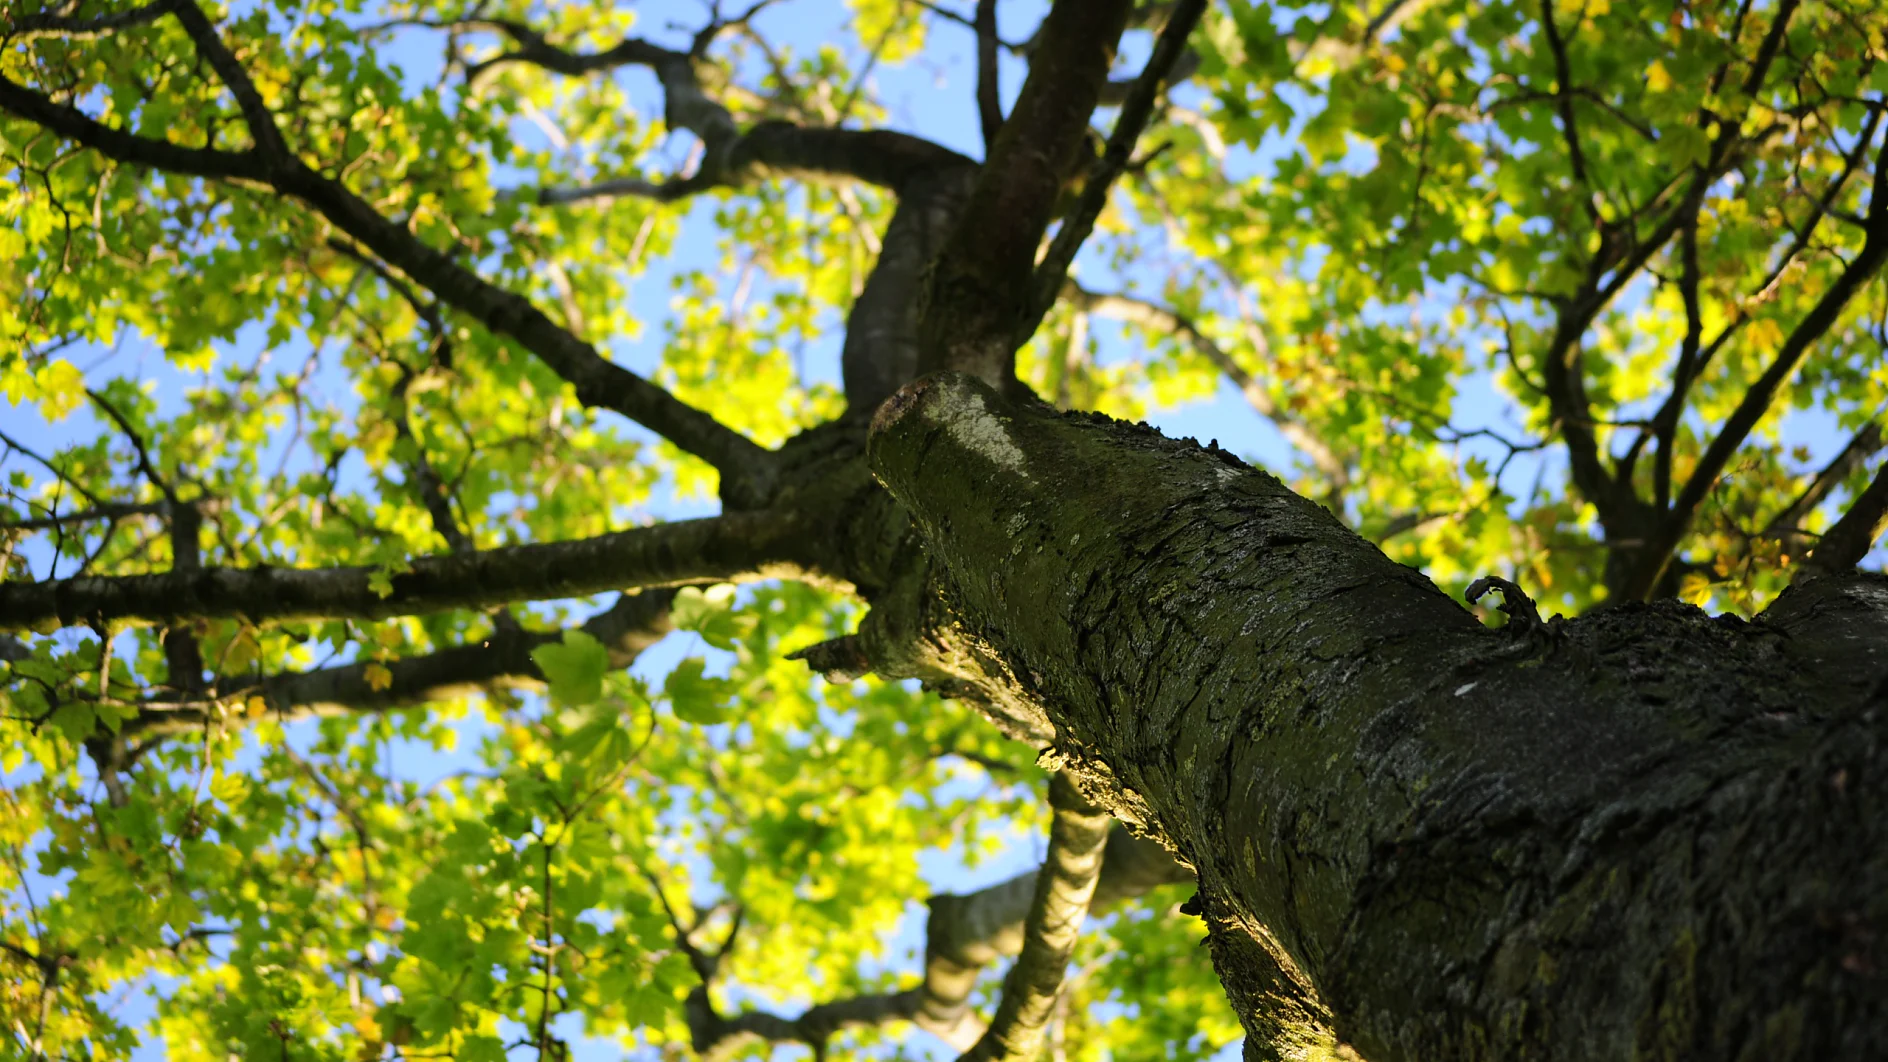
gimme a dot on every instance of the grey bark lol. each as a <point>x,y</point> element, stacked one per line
<point>1059,903</point>
<point>963,935</point>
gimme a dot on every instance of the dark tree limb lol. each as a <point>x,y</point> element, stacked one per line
<point>422,479</point>
<point>1674,403</point>
<point>1135,112</point>
<point>1843,546</point>
<point>1665,423</point>
<point>980,291</point>
<point>107,511</point>
<point>730,156</point>
<point>989,92</point>
<point>963,935</point>
<point>1063,890</point>
<point>500,661</point>
<point>598,381</point>
<point>734,546</point>
<point>51,24</point>
<point>183,657</point>
<point>1761,394</point>
<point>931,182</point>
<point>1563,104</point>
<point>1862,445</point>
<point>270,146</point>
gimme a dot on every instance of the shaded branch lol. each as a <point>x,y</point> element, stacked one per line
<point>963,934</point>
<point>729,155</point>
<point>1861,447</point>
<point>422,478</point>
<point>1063,890</point>
<point>1135,112</point>
<point>989,95</point>
<point>735,546</point>
<point>49,24</point>
<point>598,381</point>
<point>1673,405</point>
<point>980,291</point>
<point>1843,546</point>
<point>1563,103</point>
<point>500,661</point>
<point>256,114</point>
<point>781,149</point>
<point>107,511</point>
<point>1757,400</point>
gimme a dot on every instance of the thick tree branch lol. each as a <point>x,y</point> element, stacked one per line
<point>881,351</point>
<point>1135,112</point>
<point>50,24</point>
<point>735,546</point>
<point>1063,891</point>
<point>980,290</point>
<point>729,155</point>
<point>963,935</point>
<point>500,661</point>
<point>598,381</point>
<point>256,114</point>
<point>1843,546</point>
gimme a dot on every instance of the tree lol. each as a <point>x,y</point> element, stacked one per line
<point>1645,831</point>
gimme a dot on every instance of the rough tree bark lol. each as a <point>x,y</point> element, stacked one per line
<point>1645,833</point>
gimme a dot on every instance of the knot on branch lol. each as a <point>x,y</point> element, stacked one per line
<point>839,659</point>
<point>1514,601</point>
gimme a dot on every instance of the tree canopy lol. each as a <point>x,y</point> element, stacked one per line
<point>351,434</point>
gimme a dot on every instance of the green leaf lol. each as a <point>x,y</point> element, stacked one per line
<point>75,719</point>
<point>574,668</point>
<point>708,613</point>
<point>694,698</point>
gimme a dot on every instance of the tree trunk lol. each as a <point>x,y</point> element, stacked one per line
<point>1645,833</point>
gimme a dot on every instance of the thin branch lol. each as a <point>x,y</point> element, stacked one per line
<point>256,114</point>
<point>1063,891</point>
<point>735,546</point>
<point>1861,447</point>
<point>1665,425</point>
<point>1563,102</point>
<point>729,156</point>
<point>1843,546</point>
<point>108,511</point>
<point>1673,405</point>
<point>499,661</point>
<point>1757,400</point>
<point>1135,112</point>
<point>989,94</point>
<point>1154,316</point>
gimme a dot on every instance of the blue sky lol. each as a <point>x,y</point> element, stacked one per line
<point>932,95</point>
